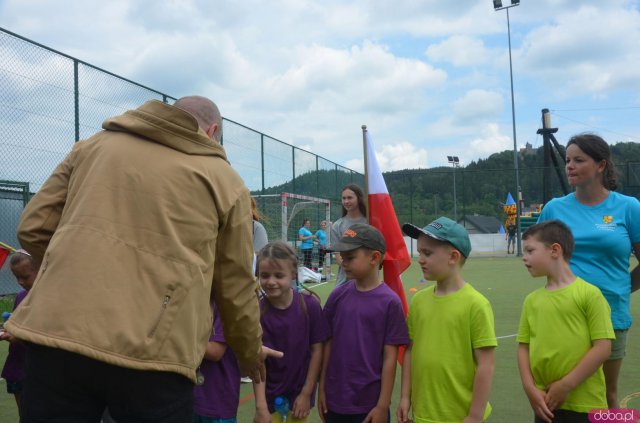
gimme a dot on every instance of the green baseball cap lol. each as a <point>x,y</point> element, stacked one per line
<point>443,229</point>
<point>360,235</point>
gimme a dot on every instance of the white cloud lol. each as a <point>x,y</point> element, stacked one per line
<point>490,141</point>
<point>574,57</point>
<point>310,72</point>
<point>395,157</point>
<point>460,50</point>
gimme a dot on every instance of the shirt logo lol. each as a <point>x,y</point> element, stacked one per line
<point>607,218</point>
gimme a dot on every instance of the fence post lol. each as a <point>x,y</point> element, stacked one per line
<point>76,99</point>
<point>262,159</point>
<point>293,165</point>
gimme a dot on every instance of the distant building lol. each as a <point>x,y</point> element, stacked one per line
<point>528,149</point>
<point>476,224</point>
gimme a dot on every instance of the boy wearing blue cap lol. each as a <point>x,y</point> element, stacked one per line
<point>448,368</point>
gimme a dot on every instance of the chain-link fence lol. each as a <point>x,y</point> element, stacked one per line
<point>49,100</point>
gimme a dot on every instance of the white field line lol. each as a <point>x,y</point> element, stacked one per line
<point>506,336</point>
<point>315,285</point>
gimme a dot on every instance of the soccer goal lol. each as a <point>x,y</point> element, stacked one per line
<point>286,212</point>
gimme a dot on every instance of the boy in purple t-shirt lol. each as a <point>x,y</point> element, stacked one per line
<point>368,325</point>
<point>25,271</point>
<point>216,399</point>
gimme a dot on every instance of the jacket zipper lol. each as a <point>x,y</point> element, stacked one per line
<point>165,303</point>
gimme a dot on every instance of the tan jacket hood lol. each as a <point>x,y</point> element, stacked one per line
<point>167,125</point>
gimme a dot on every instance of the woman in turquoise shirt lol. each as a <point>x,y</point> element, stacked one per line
<point>606,228</point>
<point>306,237</point>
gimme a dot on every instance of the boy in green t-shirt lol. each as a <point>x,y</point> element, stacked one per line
<point>448,368</point>
<point>565,332</point>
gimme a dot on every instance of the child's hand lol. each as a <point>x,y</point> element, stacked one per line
<point>379,414</point>
<point>322,404</point>
<point>556,394</point>
<point>538,404</point>
<point>403,410</point>
<point>301,406</point>
<point>262,416</point>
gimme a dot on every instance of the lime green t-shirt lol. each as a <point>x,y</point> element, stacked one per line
<point>559,327</point>
<point>445,331</point>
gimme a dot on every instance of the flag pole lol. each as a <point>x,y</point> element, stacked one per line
<point>366,168</point>
<point>7,247</point>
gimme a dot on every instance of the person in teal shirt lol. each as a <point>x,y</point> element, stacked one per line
<point>606,229</point>
<point>306,237</point>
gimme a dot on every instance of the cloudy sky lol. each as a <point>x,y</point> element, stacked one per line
<point>429,78</point>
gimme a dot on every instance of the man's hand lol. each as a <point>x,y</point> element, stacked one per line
<point>6,336</point>
<point>257,371</point>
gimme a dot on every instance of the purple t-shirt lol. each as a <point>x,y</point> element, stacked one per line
<point>362,323</point>
<point>219,397</point>
<point>291,331</point>
<point>14,370</point>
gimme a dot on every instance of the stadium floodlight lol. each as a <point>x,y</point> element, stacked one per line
<point>455,162</point>
<point>513,121</point>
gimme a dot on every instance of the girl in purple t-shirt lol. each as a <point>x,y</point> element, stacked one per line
<point>292,322</point>
<point>25,271</point>
<point>217,396</point>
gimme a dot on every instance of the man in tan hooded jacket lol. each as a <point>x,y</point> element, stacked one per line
<point>137,231</point>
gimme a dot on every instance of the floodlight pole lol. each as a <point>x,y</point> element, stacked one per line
<point>513,124</point>
<point>455,162</point>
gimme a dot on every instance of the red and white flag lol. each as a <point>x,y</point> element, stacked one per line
<point>5,250</point>
<point>383,216</point>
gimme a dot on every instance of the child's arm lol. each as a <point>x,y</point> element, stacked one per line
<point>215,351</point>
<point>481,384</point>
<point>262,409</point>
<point>405,388</point>
<point>535,395</point>
<point>322,402</point>
<point>302,404</point>
<point>388,376</point>
<point>588,365</point>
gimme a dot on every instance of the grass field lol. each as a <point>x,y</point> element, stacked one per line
<point>505,282</point>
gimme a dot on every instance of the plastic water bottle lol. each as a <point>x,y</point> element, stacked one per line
<point>282,407</point>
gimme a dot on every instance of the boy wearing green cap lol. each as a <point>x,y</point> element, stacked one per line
<point>448,368</point>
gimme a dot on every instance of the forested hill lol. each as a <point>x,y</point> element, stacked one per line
<point>481,186</point>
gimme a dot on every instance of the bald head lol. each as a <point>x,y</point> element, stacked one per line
<point>206,113</point>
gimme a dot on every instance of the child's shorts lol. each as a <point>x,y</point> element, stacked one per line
<point>277,418</point>
<point>619,345</point>
<point>203,419</point>
<point>14,387</point>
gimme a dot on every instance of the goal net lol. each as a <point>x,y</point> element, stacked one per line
<point>284,215</point>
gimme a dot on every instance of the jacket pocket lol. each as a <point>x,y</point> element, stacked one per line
<point>163,309</point>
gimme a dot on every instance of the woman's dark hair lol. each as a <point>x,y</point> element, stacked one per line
<point>597,148</point>
<point>359,195</point>
<point>305,220</point>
